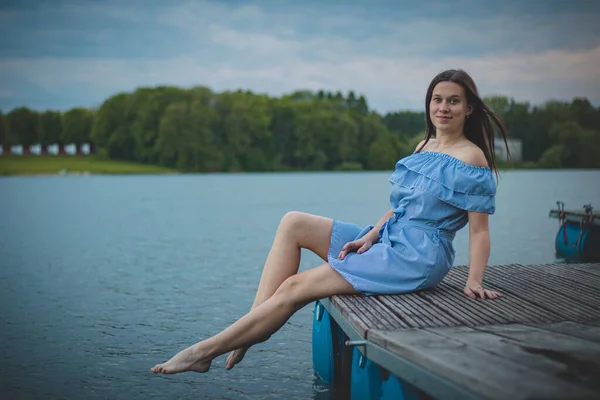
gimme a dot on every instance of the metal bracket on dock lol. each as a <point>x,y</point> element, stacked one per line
<point>356,343</point>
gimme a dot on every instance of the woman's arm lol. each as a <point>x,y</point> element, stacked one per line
<point>373,234</point>
<point>479,252</point>
<point>364,243</point>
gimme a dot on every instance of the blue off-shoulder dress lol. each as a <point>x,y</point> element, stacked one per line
<point>431,193</point>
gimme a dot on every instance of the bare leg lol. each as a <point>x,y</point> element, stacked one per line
<point>297,230</point>
<point>262,321</point>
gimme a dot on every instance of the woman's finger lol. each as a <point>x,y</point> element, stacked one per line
<point>469,292</point>
<point>363,248</point>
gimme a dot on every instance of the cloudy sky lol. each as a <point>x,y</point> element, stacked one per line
<point>60,54</point>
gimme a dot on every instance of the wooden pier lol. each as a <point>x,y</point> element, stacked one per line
<point>541,340</point>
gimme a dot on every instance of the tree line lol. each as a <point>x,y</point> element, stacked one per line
<point>198,130</point>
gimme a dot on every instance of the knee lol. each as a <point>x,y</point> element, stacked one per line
<point>288,293</point>
<point>292,221</point>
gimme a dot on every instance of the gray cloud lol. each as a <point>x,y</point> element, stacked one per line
<point>389,58</point>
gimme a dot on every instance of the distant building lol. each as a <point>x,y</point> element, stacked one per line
<point>515,146</point>
<point>51,149</point>
<point>16,150</point>
<point>35,149</point>
<point>71,149</point>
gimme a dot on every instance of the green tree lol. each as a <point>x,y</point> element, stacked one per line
<point>370,128</point>
<point>579,147</point>
<point>198,130</point>
<point>110,130</point>
<point>3,132</point>
<point>23,126</point>
<point>362,106</point>
<point>499,104</point>
<point>351,101</point>
<point>282,128</point>
<point>77,125</point>
<point>146,108</point>
<point>552,157</point>
<point>407,123</point>
<point>50,127</point>
<point>584,114</point>
<point>185,138</point>
<point>386,151</point>
<point>244,123</point>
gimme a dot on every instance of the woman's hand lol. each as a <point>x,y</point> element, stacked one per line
<point>360,246</point>
<point>473,289</point>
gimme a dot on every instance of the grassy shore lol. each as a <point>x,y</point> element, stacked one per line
<point>52,165</point>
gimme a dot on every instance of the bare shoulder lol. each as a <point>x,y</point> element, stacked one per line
<point>472,155</point>
<point>430,143</point>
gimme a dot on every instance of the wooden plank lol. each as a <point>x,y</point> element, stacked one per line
<point>460,271</point>
<point>558,355</point>
<point>514,308</point>
<point>588,268</point>
<point>572,274</point>
<point>413,319</point>
<point>584,331</point>
<point>547,298</point>
<point>357,320</point>
<point>384,318</point>
<point>466,316</point>
<point>580,358</point>
<point>565,278</point>
<point>482,312</point>
<point>534,337</point>
<point>471,312</point>
<point>576,290</point>
<point>426,313</point>
<point>365,312</point>
<point>487,375</point>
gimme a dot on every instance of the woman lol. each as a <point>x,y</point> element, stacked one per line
<point>444,184</point>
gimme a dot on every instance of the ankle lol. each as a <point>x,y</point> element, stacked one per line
<point>206,350</point>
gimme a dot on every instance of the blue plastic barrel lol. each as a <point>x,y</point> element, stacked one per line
<point>393,388</point>
<point>567,244</point>
<point>322,344</point>
<point>365,381</point>
<point>591,246</point>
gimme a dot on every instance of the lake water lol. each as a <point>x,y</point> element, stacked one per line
<point>101,277</point>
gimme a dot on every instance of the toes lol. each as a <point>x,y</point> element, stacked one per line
<point>158,369</point>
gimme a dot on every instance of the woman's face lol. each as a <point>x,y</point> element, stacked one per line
<point>448,107</point>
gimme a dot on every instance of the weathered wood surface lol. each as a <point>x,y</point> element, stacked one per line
<point>502,361</point>
<point>532,294</point>
<point>540,340</point>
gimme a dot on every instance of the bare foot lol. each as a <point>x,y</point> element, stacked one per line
<point>235,357</point>
<point>190,359</point>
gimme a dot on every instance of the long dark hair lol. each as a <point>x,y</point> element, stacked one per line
<point>478,127</point>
